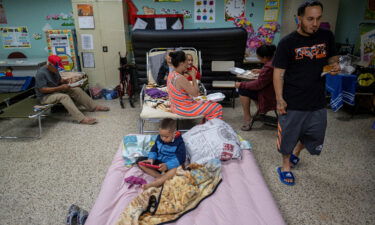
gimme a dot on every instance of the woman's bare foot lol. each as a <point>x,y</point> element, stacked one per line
<point>88,120</point>
<point>101,108</point>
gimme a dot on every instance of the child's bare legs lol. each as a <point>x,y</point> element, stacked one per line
<point>150,171</point>
<point>161,179</point>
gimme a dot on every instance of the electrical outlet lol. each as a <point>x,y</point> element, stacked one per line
<point>105,48</point>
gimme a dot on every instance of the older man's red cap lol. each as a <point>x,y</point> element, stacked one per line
<point>56,61</point>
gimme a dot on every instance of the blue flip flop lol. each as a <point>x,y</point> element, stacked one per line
<point>294,160</point>
<point>285,175</point>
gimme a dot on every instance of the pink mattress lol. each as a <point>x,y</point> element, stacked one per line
<point>241,198</point>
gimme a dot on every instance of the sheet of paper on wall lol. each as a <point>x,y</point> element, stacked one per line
<point>140,24</point>
<point>88,59</point>
<point>160,23</point>
<point>87,42</point>
<point>270,15</point>
<point>177,25</point>
<point>271,10</point>
<point>86,22</point>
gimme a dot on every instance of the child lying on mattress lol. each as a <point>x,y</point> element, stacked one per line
<point>168,153</point>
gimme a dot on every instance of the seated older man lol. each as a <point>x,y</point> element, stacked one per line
<point>51,88</point>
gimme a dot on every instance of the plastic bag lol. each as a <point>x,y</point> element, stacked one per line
<point>109,94</point>
<point>345,63</point>
<point>213,140</point>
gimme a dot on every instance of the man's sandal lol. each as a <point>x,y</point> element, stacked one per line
<point>283,175</point>
<point>294,160</point>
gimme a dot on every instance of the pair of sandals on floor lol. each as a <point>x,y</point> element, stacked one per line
<point>90,120</point>
<point>76,215</point>
<point>284,175</point>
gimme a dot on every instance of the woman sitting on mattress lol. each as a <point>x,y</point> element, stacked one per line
<point>181,91</point>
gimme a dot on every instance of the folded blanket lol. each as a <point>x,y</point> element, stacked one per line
<point>176,197</point>
<point>342,89</point>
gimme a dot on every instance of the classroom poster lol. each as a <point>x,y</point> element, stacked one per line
<point>271,10</point>
<point>85,16</point>
<point>15,37</point>
<point>3,19</point>
<point>368,48</point>
<point>204,11</point>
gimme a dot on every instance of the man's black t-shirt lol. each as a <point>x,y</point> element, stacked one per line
<point>303,59</point>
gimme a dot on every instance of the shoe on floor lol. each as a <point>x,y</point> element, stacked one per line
<point>82,217</point>
<point>72,214</point>
<point>286,175</point>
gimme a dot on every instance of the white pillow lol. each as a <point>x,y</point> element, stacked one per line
<point>213,140</point>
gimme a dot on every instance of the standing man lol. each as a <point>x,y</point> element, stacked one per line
<point>300,88</point>
<point>51,88</point>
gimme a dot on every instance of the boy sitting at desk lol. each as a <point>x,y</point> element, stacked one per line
<point>168,153</point>
<point>51,89</point>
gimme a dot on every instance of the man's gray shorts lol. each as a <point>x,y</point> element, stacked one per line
<point>309,127</point>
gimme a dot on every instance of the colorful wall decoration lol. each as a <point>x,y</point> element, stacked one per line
<point>204,11</point>
<point>15,37</point>
<point>264,35</point>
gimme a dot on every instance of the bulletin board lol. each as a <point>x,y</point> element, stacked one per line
<point>53,15</point>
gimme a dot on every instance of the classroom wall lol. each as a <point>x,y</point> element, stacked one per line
<point>349,17</point>
<point>256,19</point>
<point>33,15</point>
